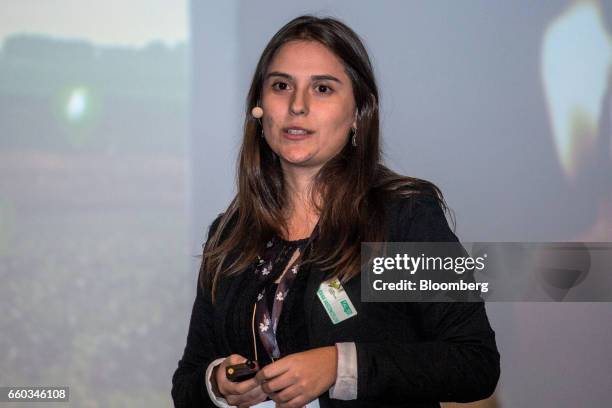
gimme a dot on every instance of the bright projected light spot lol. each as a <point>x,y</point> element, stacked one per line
<point>77,104</point>
<point>576,57</point>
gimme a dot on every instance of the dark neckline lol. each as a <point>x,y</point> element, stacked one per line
<point>293,242</point>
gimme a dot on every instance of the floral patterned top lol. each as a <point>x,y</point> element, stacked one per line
<point>291,334</point>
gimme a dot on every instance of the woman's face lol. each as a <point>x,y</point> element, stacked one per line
<point>308,105</point>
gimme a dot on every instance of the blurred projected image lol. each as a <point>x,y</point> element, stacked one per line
<point>93,230</point>
<point>577,78</point>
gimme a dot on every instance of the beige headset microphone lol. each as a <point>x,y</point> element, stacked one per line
<point>257,112</point>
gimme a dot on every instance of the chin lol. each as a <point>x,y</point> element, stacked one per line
<point>301,161</point>
<point>296,156</point>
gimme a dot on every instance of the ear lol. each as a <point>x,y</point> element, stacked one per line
<point>355,120</point>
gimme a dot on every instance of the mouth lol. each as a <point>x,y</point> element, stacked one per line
<point>296,132</point>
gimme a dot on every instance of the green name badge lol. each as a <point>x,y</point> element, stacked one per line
<point>335,301</point>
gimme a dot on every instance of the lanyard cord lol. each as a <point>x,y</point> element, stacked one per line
<point>253,327</point>
<point>253,331</point>
<point>285,282</point>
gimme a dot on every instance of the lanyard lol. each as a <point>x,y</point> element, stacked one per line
<point>263,321</point>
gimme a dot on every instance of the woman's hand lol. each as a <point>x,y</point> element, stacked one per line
<point>242,394</point>
<point>295,380</point>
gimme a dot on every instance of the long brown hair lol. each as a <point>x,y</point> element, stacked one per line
<point>353,185</point>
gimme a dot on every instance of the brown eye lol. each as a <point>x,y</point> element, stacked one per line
<point>280,86</point>
<point>324,89</point>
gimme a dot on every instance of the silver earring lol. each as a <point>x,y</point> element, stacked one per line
<point>354,137</point>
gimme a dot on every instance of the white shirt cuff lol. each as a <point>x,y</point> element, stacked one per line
<point>218,401</point>
<point>345,387</point>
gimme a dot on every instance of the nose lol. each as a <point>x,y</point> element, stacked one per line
<point>299,103</point>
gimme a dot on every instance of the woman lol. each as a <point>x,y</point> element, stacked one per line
<point>311,188</point>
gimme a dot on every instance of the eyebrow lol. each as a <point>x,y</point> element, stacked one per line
<point>313,77</point>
